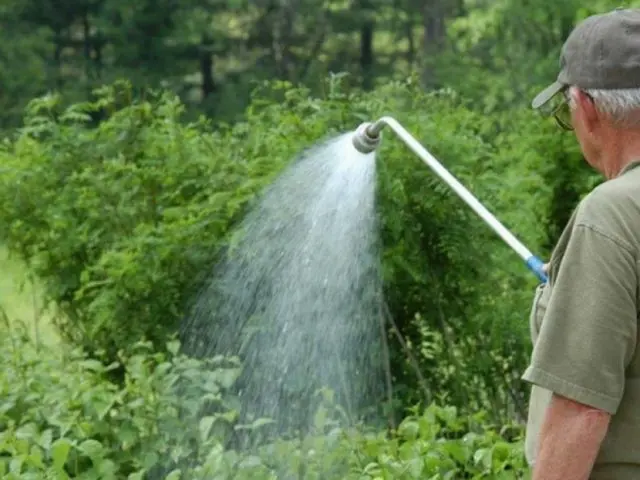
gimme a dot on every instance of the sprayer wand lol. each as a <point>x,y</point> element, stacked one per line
<point>367,138</point>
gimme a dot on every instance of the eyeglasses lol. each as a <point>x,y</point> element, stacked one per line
<point>559,107</point>
<point>561,111</point>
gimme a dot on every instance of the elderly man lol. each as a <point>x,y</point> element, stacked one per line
<point>584,411</point>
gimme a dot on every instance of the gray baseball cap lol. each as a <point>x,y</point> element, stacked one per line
<point>602,52</point>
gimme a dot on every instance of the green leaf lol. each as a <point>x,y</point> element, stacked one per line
<point>260,422</point>
<point>93,449</point>
<point>174,475</point>
<point>45,439</point>
<point>204,427</point>
<point>15,466</point>
<point>60,452</point>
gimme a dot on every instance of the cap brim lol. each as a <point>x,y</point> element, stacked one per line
<point>547,94</point>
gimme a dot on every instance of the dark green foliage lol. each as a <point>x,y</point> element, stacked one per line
<point>60,417</point>
<point>212,53</point>
<point>115,216</point>
<point>123,220</point>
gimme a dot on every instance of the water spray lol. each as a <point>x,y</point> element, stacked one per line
<point>366,139</point>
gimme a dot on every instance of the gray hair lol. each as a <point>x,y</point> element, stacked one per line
<point>622,105</point>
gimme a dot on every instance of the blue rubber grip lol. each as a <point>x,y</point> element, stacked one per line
<point>535,265</point>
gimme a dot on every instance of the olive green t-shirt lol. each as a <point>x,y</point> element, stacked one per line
<point>584,323</point>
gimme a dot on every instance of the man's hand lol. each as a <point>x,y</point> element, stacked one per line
<point>570,439</point>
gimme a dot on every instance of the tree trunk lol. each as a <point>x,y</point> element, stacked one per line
<point>206,66</point>
<point>366,53</point>
<point>433,18</point>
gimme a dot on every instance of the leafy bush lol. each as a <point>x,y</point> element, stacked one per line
<point>120,209</point>
<point>118,219</point>
<point>60,417</point>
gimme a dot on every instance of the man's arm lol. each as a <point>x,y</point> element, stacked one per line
<point>570,439</point>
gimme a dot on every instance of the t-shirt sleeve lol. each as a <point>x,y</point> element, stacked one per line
<point>588,333</point>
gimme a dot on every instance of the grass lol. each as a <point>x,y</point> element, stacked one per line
<point>21,302</point>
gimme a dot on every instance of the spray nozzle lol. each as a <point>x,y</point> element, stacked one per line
<point>366,138</point>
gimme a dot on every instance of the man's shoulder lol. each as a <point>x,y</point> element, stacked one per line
<point>613,209</point>
<point>615,197</point>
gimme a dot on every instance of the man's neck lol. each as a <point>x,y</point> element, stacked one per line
<point>624,150</point>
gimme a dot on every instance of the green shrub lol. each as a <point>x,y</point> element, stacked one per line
<point>121,219</point>
<point>118,219</point>
<point>60,417</point>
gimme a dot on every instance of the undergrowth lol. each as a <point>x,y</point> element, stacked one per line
<point>61,418</point>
